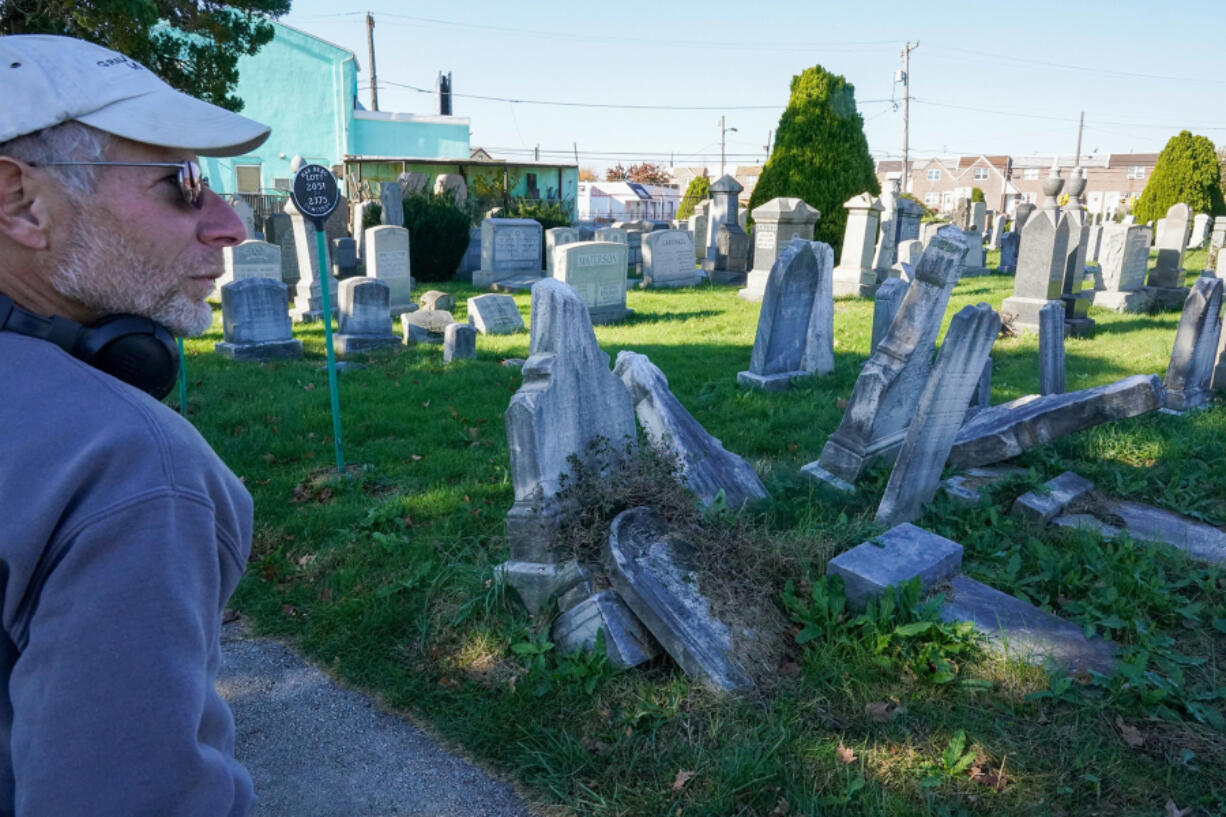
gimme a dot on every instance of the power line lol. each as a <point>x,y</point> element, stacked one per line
<point>1084,68</point>
<point>1093,120</point>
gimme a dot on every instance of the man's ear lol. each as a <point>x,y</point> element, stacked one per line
<point>23,205</point>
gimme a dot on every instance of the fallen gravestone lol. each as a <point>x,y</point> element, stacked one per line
<point>495,314</point>
<point>1041,506</point>
<point>424,326</point>
<point>707,468</point>
<point>939,414</point>
<point>795,335</point>
<point>966,488</point>
<point>902,553</point>
<point>1004,431</point>
<point>255,321</point>
<point>1145,523</point>
<point>1190,371</point>
<point>627,642</point>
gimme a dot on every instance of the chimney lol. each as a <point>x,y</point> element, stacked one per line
<point>443,86</point>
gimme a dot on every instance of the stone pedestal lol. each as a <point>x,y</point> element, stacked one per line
<point>855,274</point>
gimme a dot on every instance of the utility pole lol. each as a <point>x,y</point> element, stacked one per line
<point>1080,127</point>
<point>576,146</point>
<point>370,49</point>
<point>906,115</point>
<point>536,154</point>
<point>769,134</point>
<point>723,132</point>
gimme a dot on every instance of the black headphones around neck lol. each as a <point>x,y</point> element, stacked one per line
<point>137,350</point>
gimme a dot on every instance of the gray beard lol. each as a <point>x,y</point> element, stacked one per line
<point>101,271</point>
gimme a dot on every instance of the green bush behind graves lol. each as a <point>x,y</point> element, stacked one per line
<point>438,235</point>
<point>698,189</point>
<point>549,214</point>
<point>1186,171</point>
<point>820,154</point>
<point>977,194</point>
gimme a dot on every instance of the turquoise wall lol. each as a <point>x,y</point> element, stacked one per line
<point>384,137</point>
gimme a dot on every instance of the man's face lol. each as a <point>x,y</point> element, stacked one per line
<point>135,246</point>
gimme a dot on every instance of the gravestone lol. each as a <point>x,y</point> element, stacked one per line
<point>459,342</point>
<point>1021,214</point>
<point>698,229</point>
<point>336,225</point>
<point>1167,275</point>
<point>634,251</point>
<point>724,207</point>
<point>795,335</point>
<point>1122,263</point>
<point>901,554</point>
<point>885,306</point>
<point>387,260</point>
<point>495,314</point>
<point>412,183</point>
<point>776,223</point>
<point>1196,342</point>
<point>275,226</point>
<point>974,263</point>
<point>887,245</point>
<point>472,256</point>
<point>569,399</point>
<point>251,259</point>
<point>731,255</point>
<point>614,234</point>
<point>283,228</point>
<point>1076,302</point>
<point>1217,239</point>
<point>939,414</point>
<point>891,381</point>
<point>961,217</point>
<point>364,320</point>
<point>245,214</point>
<point>910,214</point>
<point>344,257</point>
<point>391,199</point>
<point>1009,244</point>
<point>978,217</point>
<point>1200,231</point>
<point>909,253</point>
<point>424,326</point>
<point>510,248</point>
<point>928,229</point>
<point>1051,348</point>
<point>1042,257</point>
<point>359,232</point>
<point>1159,231</point>
<point>1095,243</point>
<point>668,260</point>
<point>255,321</point>
<point>451,184</point>
<point>855,274</point>
<point>437,299</point>
<point>555,237</point>
<point>998,229</point>
<point>597,271</point>
<point>308,302</point>
<point>706,467</point>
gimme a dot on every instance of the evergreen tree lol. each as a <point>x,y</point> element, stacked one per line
<point>192,44</point>
<point>1186,171</point>
<point>699,189</point>
<point>820,153</point>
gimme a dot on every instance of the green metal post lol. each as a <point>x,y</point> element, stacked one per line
<point>322,250</point>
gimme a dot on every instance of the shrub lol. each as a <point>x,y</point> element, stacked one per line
<point>820,154</point>
<point>1186,171</point>
<point>977,194</point>
<point>549,213</point>
<point>698,189</point>
<point>438,235</point>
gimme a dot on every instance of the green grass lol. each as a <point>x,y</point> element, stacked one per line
<point>386,580</point>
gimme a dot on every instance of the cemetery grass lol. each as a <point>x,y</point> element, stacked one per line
<point>386,580</point>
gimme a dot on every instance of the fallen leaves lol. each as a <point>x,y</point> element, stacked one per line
<point>682,778</point>
<point>1131,735</point>
<point>883,711</point>
<point>844,755</point>
<point>596,747</point>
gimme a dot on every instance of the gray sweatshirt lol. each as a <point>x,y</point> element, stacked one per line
<point>122,535</point>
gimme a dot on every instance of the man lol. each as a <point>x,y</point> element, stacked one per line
<point>122,534</point>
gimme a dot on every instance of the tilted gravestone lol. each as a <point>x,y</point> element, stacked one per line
<point>459,342</point>
<point>388,260</point>
<point>776,223</point>
<point>251,259</point>
<point>795,335</point>
<point>887,244</point>
<point>597,271</point>
<point>1200,231</point>
<point>556,237</point>
<point>495,314</point>
<point>510,248</point>
<point>855,274</point>
<point>424,326</point>
<point>569,399</point>
<point>1190,371</point>
<point>391,199</point>
<point>668,260</point>
<point>364,319</point>
<point>1172,241</point>
<point>889,386</point>
<point>707,468</point>
<point>939,414</point>
<point>1076,302</point>
<point>1122,263</point>
<point>255,321</point>
<point>308,301</point>
<point>885,306</point>
<point>1042,258</point>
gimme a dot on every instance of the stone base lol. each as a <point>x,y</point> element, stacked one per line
<point>973,272</point>
<point>671,283</point>
<point>269,350</point>
<point>609,314</point>
<point>532,531</point>
<point>901,554</point>
<point>1078,327</point>
<point>1181,401</point>
<point>356,344</point>
<point>1077,305</point>
<point>819,474</point>
<point>1139,300</point>
<point>855,281</point>
<point>1039,506</point>
<point>484,278</point>
<point>519,282</point>
<point>755,286</point>
<point>729,277</point>
<point>1025,311</point>
<point>769,382</point>
<point>538,582</point>
<point>1168,297</point>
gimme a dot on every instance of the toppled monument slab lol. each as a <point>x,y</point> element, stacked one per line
<point>1025,631</point>
<point>1146,523</point>
<point>648,568</point>
<point>902,553</point>
<point>966,487</point>
<point>627,643</point>
<point>707,468</point>
<point>1040,506</point>
<point>1004,431</point>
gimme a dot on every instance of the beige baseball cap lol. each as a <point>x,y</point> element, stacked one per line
<point>47,79</point>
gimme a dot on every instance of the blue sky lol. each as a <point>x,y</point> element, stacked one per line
<point>1005,77</point>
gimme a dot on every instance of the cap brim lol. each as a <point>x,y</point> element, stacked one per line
<point>175,120</point>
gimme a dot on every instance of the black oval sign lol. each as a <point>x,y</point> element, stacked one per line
<point>315,192</point>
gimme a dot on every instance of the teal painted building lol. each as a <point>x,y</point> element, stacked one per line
<point>306,90</point>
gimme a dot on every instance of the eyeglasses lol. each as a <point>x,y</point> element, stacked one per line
<point>191,184</point>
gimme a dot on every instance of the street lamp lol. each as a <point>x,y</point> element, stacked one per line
<point>722,133</point>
